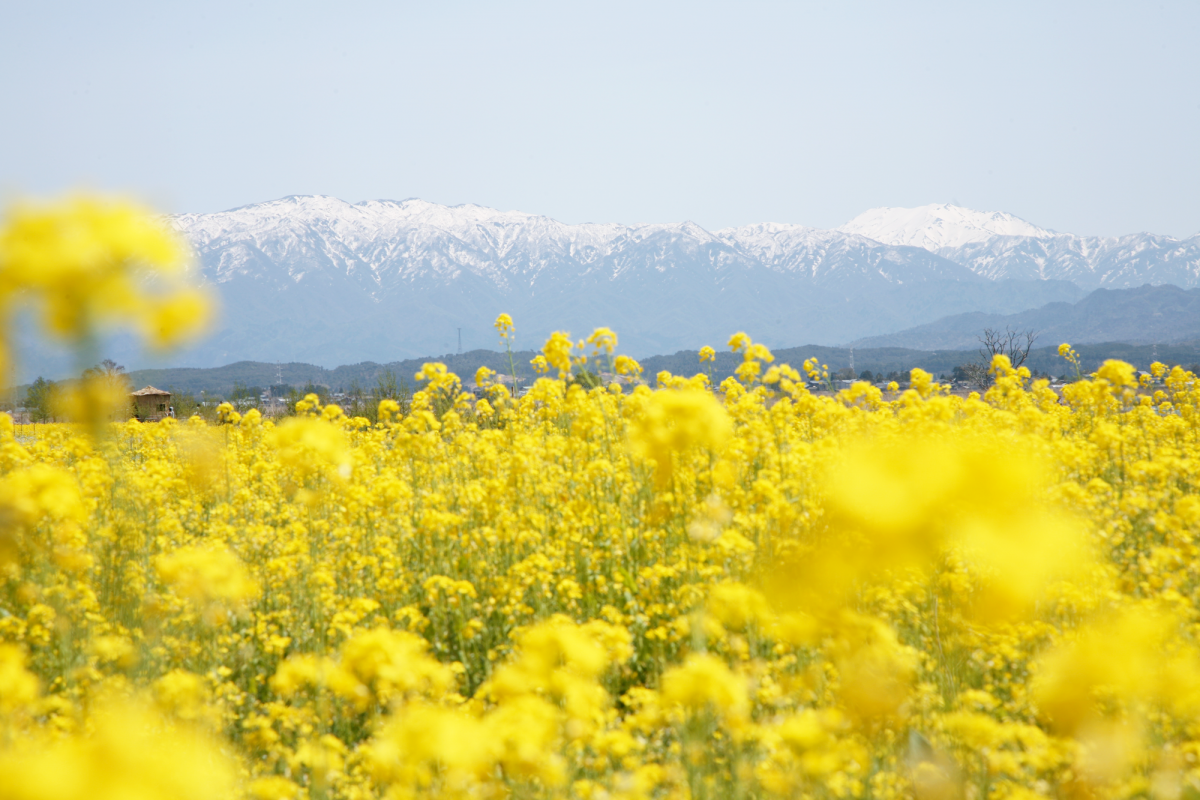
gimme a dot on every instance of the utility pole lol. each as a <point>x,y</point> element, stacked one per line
<point>274,407</point>
<point>460,341</point>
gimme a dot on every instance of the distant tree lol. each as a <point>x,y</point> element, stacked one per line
<point>108,384</point>
<point>977,375</point>
<point>844,374</point>
<point>111,376</point>
<point>1014,344</point>
<point>867,375</point>
<point>108,370</point>
<point>1011,343</point>
<point>243,396</point>
<point>185,403</point>
<point>321,391</point>
<point>39,399</point>
<point>358,402</point>
<point>388,386</point>
<point>243,392</point>
<point>587,379</point>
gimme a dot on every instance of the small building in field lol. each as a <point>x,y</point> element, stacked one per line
<point>151,405</point>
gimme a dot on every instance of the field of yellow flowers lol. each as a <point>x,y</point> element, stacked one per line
<point>669,590</point>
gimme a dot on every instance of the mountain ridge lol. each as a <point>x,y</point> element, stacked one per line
<point>993,245</point>
<point>1147,314</point>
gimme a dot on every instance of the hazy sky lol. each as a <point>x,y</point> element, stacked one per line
<point>1082,117</point>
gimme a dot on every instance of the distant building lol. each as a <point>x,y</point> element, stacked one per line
<point>151,405</point>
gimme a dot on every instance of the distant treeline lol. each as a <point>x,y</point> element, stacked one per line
<point>880,361</point>
<point>222,381</point>
<point>246,377</point>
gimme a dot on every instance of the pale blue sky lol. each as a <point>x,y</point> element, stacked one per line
<point>1082,117</point>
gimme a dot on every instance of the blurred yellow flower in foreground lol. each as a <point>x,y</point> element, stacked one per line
<point>129,752</point>
<point>210,576</point>
<point>906,505</point>
<point>675,421</point>
<point>90,263</point>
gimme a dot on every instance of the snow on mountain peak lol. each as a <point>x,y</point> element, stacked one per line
<point>382,243</point>
<point>937,226</point>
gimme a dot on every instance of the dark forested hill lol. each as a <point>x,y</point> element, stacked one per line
<point>1147,314</point>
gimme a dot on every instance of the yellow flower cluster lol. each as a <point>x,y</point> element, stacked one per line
<point>606,592</point>
<point>86,265</point>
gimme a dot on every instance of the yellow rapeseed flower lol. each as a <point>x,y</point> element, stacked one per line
<point>672,422</point>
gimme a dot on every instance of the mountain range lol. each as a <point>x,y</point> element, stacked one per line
<point>323,281</point>
<point>1000,246</point>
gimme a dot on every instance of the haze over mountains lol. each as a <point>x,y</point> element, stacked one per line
<point>322,281</point>
<point>1152,314</point>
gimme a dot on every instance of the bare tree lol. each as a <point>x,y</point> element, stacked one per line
<point>977,375</point>
<point>1014,344</point>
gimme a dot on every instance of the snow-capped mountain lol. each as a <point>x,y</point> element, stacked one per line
<point>320,280</point>
<point>379,245</point>
<point>998,245</point>
<point>1091,262</point>
<point>939,226</point>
